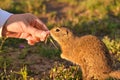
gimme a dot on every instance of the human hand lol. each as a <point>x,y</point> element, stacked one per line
<point>25,26</point>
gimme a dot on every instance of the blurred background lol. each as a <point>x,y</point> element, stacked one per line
<point>96,17</point>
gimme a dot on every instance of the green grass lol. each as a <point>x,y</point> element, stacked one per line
<point>60,71</point>
<point>100,18</point>
<point>113,45</point>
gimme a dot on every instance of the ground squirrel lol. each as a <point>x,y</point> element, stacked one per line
<point>87,51</point>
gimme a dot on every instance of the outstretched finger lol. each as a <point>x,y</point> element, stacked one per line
<point>40,34</point>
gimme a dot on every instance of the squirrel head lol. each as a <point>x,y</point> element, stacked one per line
<point>61,34</point>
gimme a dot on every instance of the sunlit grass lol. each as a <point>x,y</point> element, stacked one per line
<point>113,45</point>
<point>99,18</point>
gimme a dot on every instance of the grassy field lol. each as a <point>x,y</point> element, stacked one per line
<point>20,61</point>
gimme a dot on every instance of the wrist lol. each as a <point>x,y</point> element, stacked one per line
<point>4,15</point>
<point>4,29</point>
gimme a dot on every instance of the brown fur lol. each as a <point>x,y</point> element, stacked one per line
<point>87,51</point>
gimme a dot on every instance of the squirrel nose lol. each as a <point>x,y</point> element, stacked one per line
<point>57,30</point>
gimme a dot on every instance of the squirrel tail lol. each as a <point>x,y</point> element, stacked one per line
<point>115,74</point>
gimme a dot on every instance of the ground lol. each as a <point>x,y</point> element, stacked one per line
<point>39,66</point>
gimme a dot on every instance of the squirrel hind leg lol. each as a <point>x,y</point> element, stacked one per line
<point>115,74</point>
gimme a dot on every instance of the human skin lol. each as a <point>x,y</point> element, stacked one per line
<point>25,26</point>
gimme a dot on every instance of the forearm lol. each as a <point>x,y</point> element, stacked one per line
<point>4,15</point>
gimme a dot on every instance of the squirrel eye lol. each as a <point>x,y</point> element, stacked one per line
<point>67,31</point>
<point>57,30</point>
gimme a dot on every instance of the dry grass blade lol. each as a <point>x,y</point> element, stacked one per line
<point>46,39</point>
<point>51,40</point>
